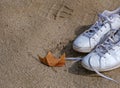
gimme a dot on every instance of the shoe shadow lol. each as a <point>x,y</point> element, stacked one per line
<point>76,68</point>
<point>68,49</point>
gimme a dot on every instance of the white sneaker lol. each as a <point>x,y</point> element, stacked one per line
<point>105,57</point>
<point>108,21</point>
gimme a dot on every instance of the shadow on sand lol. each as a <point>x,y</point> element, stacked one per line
<point>76,68</point>
<point>68,48</point>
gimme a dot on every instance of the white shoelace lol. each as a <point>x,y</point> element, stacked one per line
<point>106,77</point>
<point>107,45</point>
<point>100,74</point>
<point>74,58</point>
<point>105,48</point>
<point>101,22</point>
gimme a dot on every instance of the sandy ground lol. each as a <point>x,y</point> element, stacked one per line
<point>32,27</point>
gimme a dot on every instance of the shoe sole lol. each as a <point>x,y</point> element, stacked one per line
<point>117,66</point>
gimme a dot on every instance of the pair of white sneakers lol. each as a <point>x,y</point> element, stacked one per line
<point>102,42</point>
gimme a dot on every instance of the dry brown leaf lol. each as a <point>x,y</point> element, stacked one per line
<point>61,61</point>
<point>50,60</point>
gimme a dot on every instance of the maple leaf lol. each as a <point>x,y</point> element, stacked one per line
<point>50,60</point>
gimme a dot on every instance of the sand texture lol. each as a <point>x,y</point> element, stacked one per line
<point>32,27</point>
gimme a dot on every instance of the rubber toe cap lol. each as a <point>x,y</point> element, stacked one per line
<point>82,44</point>
<point>91,61</point>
